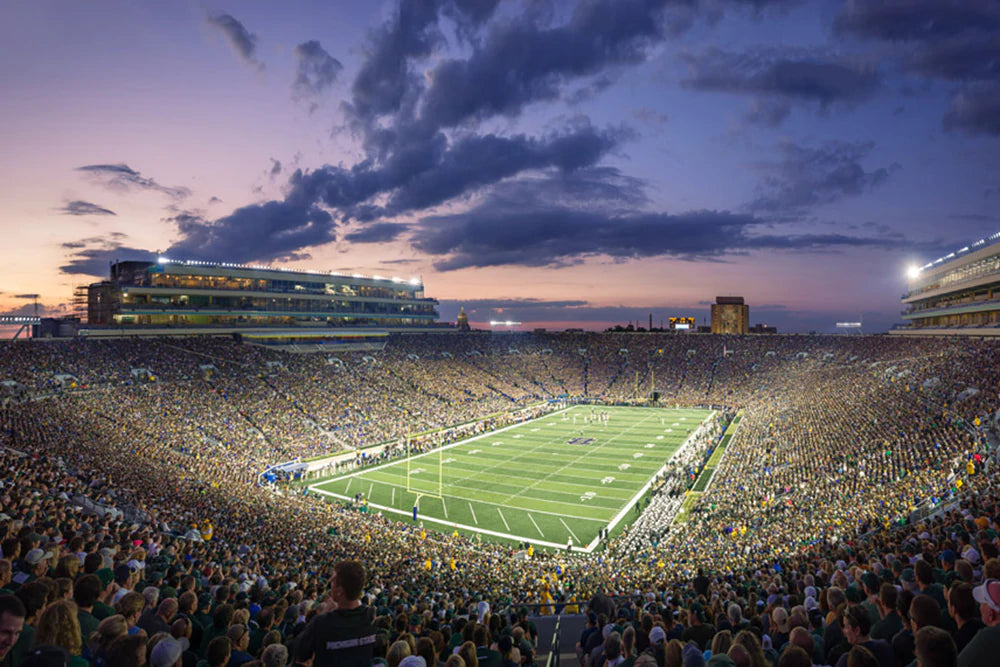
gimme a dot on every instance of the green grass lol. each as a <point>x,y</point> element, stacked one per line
<point>705,478</point>
<point>526,482</point>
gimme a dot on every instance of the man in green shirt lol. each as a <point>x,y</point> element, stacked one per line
<point>86,590</point>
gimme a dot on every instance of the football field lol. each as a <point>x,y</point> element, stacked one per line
<point>563,476</point>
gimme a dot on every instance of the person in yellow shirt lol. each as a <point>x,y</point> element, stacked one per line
<point>206,530</point>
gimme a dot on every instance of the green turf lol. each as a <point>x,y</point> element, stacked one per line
<point>526,482</point>
<point>705,478</point>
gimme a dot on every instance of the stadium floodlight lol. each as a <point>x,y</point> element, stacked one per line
<point>414,281</point>
<point>162,260</point>
<point>912,271</point>
<point>504,323</point>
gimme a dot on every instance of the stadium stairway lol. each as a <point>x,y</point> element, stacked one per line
<point>570,628</point>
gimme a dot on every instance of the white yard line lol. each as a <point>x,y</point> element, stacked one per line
<point>567,528</point>
<point>503,519</point>
<point>370,489</point>
<point>473,514</point>
<point>444,506</point>
<point>393,503</point>
<point>348,485</point>
<point>536,525</point>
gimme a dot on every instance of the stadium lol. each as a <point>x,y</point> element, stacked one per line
<point>720,488</point>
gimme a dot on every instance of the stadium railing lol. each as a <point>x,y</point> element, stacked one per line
<point>554,648</point>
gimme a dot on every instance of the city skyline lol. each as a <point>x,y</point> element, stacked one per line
<point>558,163</point>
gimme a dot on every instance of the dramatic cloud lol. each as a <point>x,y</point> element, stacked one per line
<point>243,42</point>
<point>967,58</point>
<point>899,20</point>
<point>539,222</point>
<point>317,70</point>
<point>475,161</point>
<point>952,40</point>
<point>381,232</point>
<point>121,177</point>
<point>414,177</point>
<point>385,78</point>
<point>79,207</point>
<point>259,231</point>
<point>93,257</point>
<point>275,168</point>
<point>807,177</point>
<point>976,110</point>
<point>526,63</point>
<point>776,79</point>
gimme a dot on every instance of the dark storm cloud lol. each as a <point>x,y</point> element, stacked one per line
<point>239,38</point>
<point>899,20</point>
<point>385,77</point>
<point>521,62</point>
<point>779,78</point>
<point>475,161</point>
<point>381,232</point>
<point>122,177</point>
<point>79,207</point>
<point>495,235</point>
<point>966,58</point>
<point>275,167</point>
<point>807,177</point>
<point>976,110</point>
<point>952,40</point>
<point>95,261</point>
<point>259,231</point>
<point>316,71</point>
<point>414,177</point>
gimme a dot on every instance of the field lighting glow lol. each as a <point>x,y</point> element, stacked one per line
<point>912,271</point>
<point>504,323</point>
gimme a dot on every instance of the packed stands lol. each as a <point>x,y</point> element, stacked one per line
<point>150,482</point>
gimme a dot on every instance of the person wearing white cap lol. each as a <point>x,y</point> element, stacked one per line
<point>985,646</point>
<point>168,652</point>
<point>37,561</point>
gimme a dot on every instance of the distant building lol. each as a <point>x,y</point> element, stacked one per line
<point>463,320</point>
<point>264,305</point>
<point>958,294</point>
<point>730,315</point>
<point>763,329</point>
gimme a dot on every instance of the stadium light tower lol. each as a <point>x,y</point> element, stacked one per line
<point>912,271</point>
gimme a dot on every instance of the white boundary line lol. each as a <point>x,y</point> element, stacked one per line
<point>569,529</point>
<point>517,538</point>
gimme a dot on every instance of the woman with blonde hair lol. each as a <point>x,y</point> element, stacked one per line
<point>108,630</point>
<point>59,626</point>
<point>399,650</point>
<point>69,566</point>
<point>749,641</point>
<point>467,652</point>
<point>673,654</point>
<point>721,642</point>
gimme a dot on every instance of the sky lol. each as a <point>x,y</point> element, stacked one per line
<point>562,164</point>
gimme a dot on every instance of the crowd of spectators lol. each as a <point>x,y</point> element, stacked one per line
<point>149,485</point>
